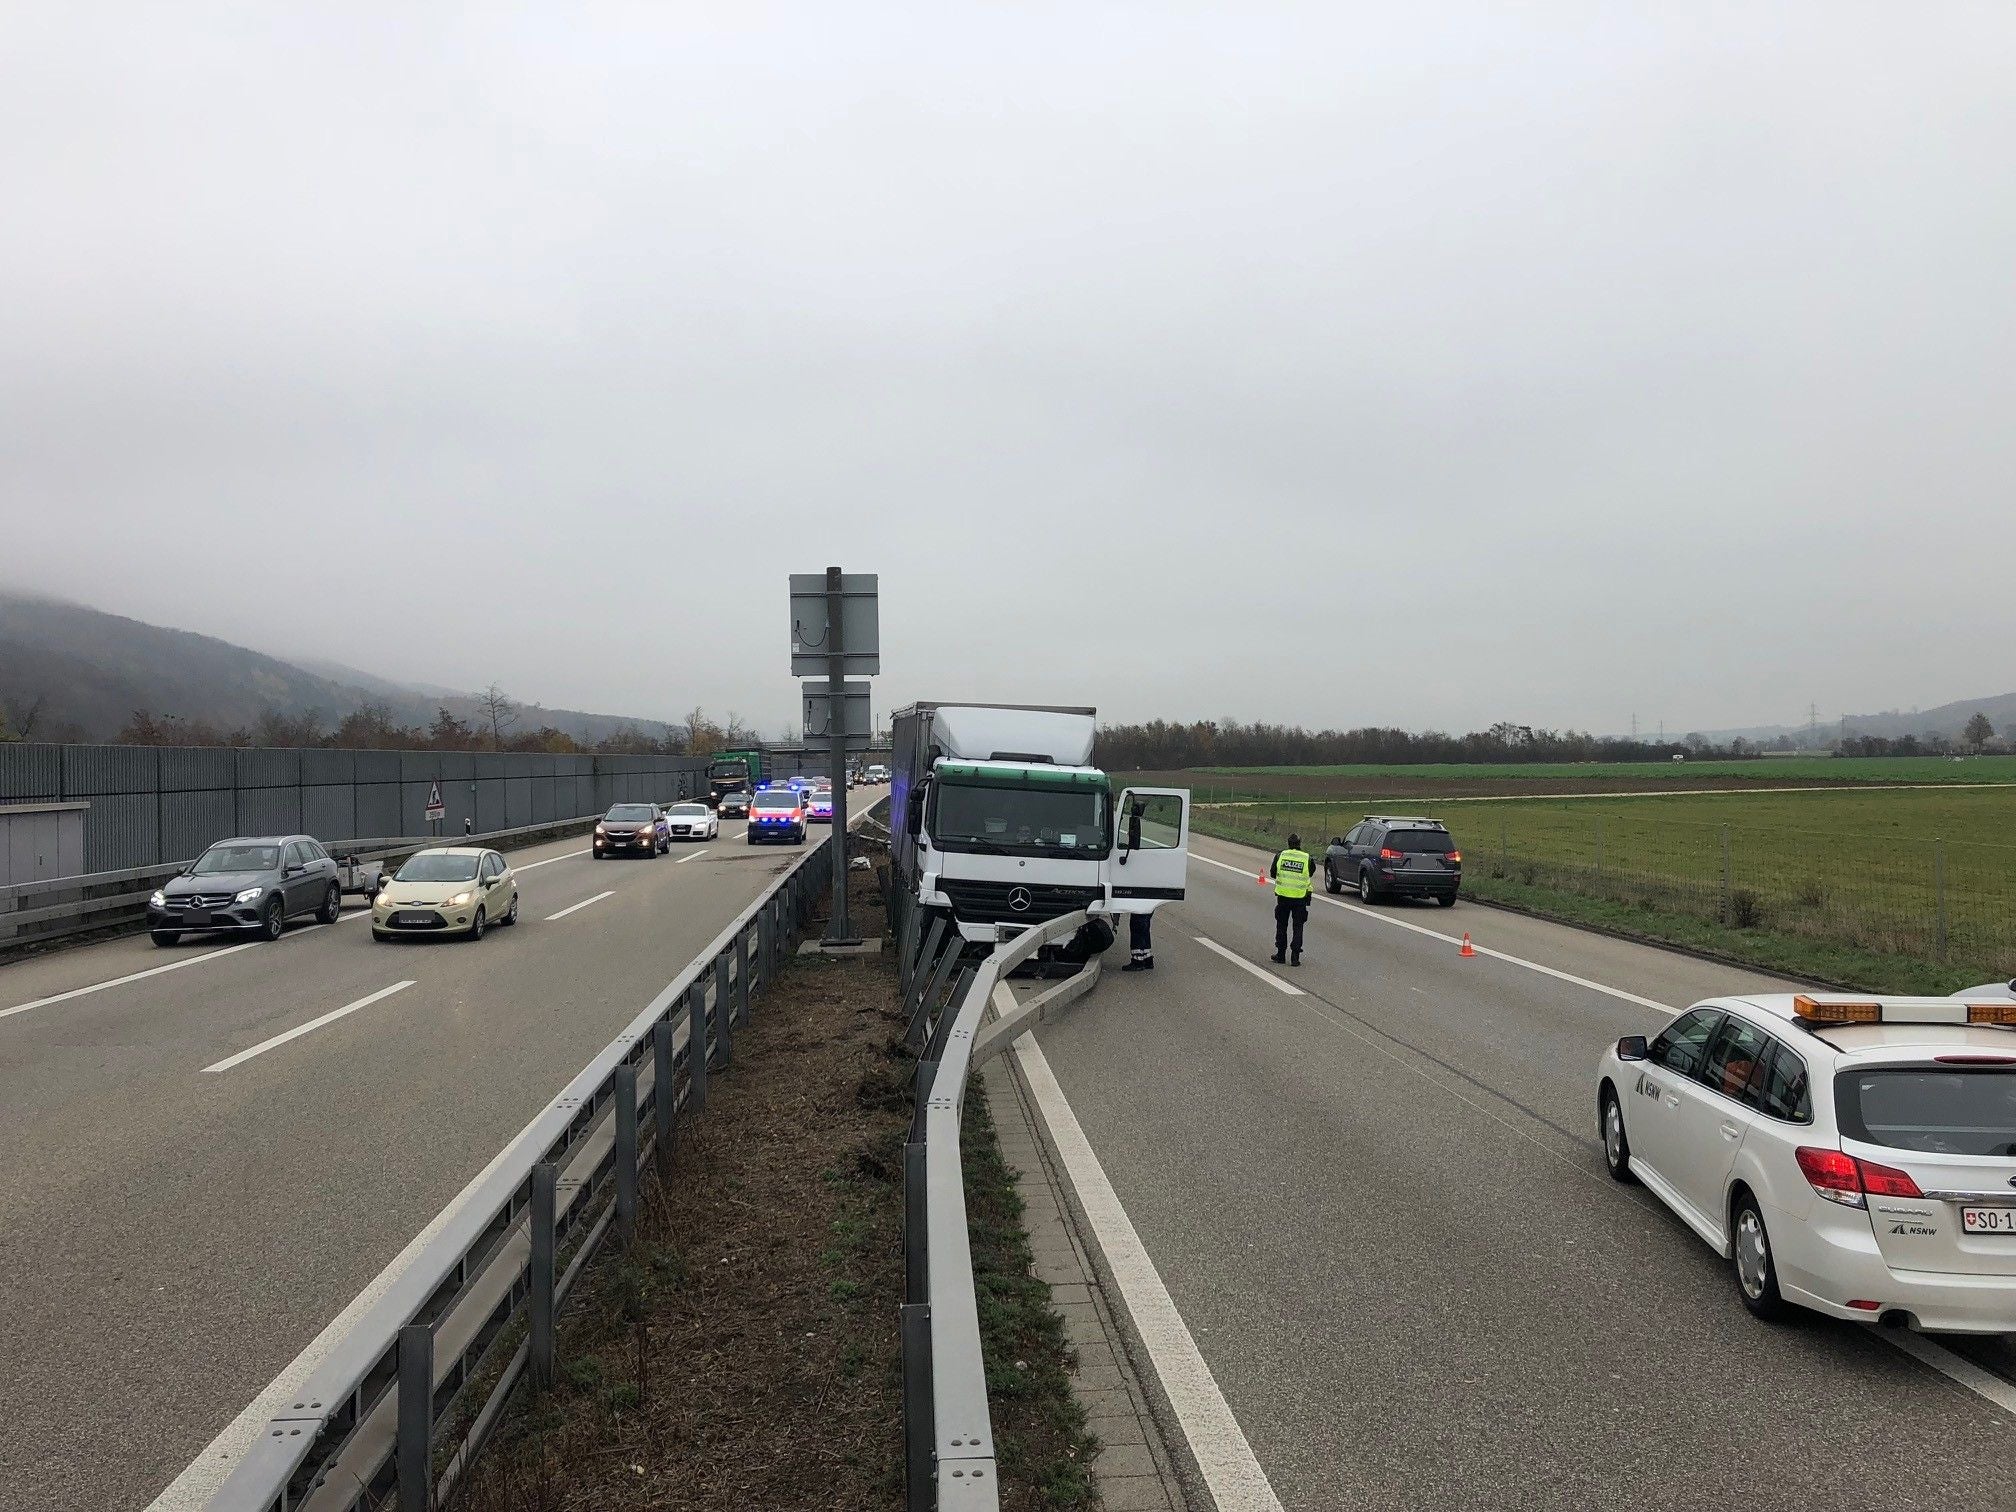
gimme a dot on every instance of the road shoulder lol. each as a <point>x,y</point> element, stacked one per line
<point>1134,1470</point>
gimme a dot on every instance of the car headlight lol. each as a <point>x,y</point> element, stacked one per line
<point>460,900</point>
<point>250,895</point>
<point>159,899</point>
<point>601,829</point>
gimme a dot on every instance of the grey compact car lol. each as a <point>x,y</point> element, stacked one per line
<point>248,886</point>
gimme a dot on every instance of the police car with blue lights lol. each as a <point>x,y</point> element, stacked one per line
<point>1852,1154</point>
<point>777,813</point>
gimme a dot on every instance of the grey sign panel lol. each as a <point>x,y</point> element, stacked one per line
<point>854,719</point>
<point>860,624</point>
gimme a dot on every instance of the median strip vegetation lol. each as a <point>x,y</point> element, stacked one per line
<point>742,1351</point>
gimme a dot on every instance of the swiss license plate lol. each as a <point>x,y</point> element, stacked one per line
<point>414,919</point>
<point>196,918</point>
<point>1988,1220</point>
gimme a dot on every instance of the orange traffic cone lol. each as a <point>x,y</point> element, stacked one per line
<point>1261,879</point>
<point>1468,949</point>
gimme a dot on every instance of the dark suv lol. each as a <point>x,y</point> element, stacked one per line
<point>1394,856</point>
<point>248,886</point>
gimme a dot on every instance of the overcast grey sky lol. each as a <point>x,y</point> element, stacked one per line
<point>1342,364</point>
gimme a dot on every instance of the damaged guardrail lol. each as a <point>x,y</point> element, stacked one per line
<point>947,1428</point>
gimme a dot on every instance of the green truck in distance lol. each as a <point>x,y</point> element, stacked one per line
<point>736,772</point>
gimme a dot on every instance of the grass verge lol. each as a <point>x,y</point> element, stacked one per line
<point>1801,956</point>
<point>1043,1449</point>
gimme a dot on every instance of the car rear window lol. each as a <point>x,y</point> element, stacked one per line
<point>1937,1110</point>
<point>629,813</point>
<point>1437,841</point>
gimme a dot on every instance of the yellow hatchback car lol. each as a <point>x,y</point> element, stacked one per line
<point>455,889</point>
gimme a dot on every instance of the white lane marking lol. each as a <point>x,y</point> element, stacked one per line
<point>691,856</point>
<point>152,971</point>
<point>308,1028</point>
<point>535,865</point>
<point>577,907</point>
<point>1496,955</point>
<point>1240,961</point>
<point>1226,1460</point>
<point>1954,1367</point>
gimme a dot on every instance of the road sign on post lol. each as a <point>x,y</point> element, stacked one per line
<point>436,809</point>
<point>836,629</point>
<point>854,721</point>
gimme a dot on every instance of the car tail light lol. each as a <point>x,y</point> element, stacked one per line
<point>1840,1177</point>
<point>1975,1060</point>
<point>1390,855</point>
<point>1452,855</point>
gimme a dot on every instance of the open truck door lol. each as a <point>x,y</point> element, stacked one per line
<point>1151,839</point>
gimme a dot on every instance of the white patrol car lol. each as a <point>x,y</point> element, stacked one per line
<point>1852,1154</point>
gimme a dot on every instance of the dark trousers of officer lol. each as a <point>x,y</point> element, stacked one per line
<point>1284,910</point>
<point>1140,939</point>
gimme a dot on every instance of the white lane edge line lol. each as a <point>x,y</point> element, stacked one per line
<point>1224,1457</point>
<point>535,865</point>
<point>1955,1367</point>
<point>691,856</point>
<point>308,1028</point>
<point>577,907</point>
<point>152,971</point>
<point>1449,939</point>
<point>1238,960</point>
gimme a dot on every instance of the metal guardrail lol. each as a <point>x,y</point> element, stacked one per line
<point>68,915</point>
<point>405,1400</point>
<point>948,1432</point>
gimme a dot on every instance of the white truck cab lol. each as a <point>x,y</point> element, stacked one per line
<point>998,820</point>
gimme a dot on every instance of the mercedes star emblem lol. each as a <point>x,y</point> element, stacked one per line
<point>1019,900</point>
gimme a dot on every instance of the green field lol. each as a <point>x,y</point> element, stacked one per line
<point>1895,890</point>
<point>1879,769</point>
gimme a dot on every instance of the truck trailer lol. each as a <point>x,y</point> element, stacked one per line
<point>998,819</point>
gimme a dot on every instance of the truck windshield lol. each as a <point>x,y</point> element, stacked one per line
<point>731,769</point>
<point>1020,820</point>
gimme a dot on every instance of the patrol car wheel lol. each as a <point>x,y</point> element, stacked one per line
<point>1756,1271</point>
<point>1332,883</point>
<point>1616,1143</point>
<point>1366,894</point>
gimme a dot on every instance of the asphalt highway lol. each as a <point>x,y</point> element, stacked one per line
<point>1380,1206</point>
<point>180,1221</point>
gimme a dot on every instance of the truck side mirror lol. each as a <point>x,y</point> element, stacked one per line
<point>914,813</point>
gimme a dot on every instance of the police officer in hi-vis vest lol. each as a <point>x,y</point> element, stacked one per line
<point>1292,872</point>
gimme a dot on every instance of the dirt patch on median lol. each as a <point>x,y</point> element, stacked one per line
<point>743,1353</point>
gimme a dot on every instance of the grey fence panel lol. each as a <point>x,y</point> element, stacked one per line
<point>186,768</point>
<point>321,767</point>
<point>517,801</point>
<point>457,766</point>
<point>491,807</point>
<point>31,773</point>
<point>191,821</point>
<point>541,798</point>
<point>269,811</point>
<point>122,830</point>
<point>330,813</point>
<point>89,770</point>
<point>378,814</point>
<point>378,766</point>
<point>265,766</point>
<point>419,766</point>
